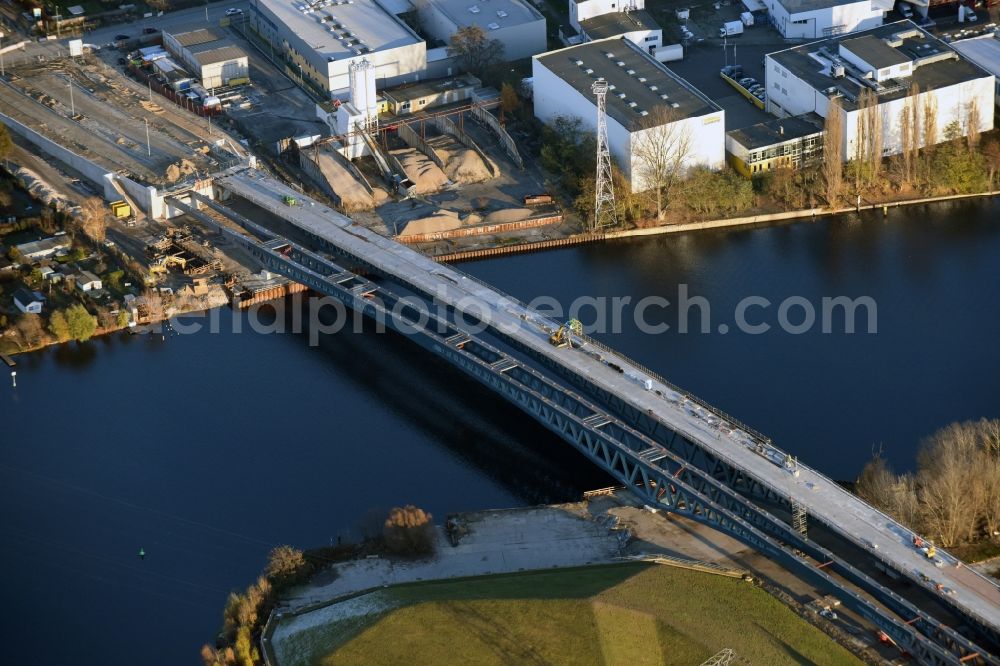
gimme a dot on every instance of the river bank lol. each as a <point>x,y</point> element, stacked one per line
<point>760,219</point>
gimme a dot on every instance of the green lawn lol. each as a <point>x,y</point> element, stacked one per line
<point>621,614</point>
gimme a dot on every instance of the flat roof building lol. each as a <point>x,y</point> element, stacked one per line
<point>984,51</point>
<point>782,142</point>
<point>208,54</point>
<point>601,19</point>
<point>514,23</point>
<point>321,38</point>
<point>644,100</point>
<point>815,19</point>
<point>884,63</point>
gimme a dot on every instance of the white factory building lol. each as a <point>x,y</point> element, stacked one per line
<point>887,61</point>
<point>816,19</point>
<point>514,23</point>
<point>637,85</point>
<point>601,19</point>
<point>985,52</point>
<point>322,38</point>
<point>208,54</point>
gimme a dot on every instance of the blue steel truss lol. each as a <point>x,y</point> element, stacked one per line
<point>659,465</point>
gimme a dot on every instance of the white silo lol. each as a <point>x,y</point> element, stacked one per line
<point>362,81</point>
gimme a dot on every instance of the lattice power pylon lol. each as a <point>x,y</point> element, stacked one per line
<point>723,658</point>
<point>605,214</point>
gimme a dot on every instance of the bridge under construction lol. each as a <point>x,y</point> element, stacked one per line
<point>671,448</point>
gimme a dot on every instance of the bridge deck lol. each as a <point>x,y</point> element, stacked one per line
<point>824,500</point>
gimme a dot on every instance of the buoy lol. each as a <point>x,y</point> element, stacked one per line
<point>142,553</point>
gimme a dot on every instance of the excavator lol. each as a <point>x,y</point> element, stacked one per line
<point>561,338</point>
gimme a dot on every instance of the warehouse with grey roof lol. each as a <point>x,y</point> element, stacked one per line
<point>208,54</point>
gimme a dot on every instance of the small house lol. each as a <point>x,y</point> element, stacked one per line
<point>28,302</point>
<point>87,281</point>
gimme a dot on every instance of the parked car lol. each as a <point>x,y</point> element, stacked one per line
<point>150,31</point>
<point>234,11</point>
<point>122,38</point>
<point>747,81</point>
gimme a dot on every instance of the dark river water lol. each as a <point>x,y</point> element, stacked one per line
<point>204,450</point>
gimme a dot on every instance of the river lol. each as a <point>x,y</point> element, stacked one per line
<point>204,450</point>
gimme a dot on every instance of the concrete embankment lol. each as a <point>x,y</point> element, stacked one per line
<point>746,221</point>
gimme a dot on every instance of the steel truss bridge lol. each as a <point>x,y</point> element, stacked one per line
<point>669,447</point>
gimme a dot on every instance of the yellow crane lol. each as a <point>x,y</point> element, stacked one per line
<point>561,338</point>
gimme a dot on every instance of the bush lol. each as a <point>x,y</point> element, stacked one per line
<point>286,566</point>
<point>708,192</point>
<point>409,531</point>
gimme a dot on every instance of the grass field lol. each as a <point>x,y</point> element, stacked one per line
<point>620,614</point>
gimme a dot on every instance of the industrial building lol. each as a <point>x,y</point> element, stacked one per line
<point>815,19</point>
<point>321,39</point>
<point>644,98</point>
<point>428,94</point>
<point>601,19</point>
<point>886,61</point>
<point>514,23</point>
<point>783,142</point>
<point>215,60</point>
<point>985,52</point>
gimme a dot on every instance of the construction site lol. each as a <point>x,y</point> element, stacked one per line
<point>95,111</point>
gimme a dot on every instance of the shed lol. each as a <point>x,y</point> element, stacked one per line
<point>29,302</point>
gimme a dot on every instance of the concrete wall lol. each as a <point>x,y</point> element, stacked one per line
<point>703,138</point>
<point>91,171</point>
<point>587,9</point>
<point>812,24</point>
<point>553,98</point>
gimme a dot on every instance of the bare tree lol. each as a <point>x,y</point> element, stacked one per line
<point>29,327</point>
<point>868,141</point>
<point>150,306</point>
<point>92,219</point>
<point>949,492</point>
<point>659,152</point>
<point>909,134</point>
<point>833,152</point>
<point>973,119</point>
<point>930,134</point>
<point>991,151</point>
<point>409,531</point>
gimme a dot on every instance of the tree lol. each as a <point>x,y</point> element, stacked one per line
<point>92,219</point>
<point>160,5</point>
<point>59,326</point>
<point>474,50</point>
<point>909,136</point>
<point>833,155</point>
<point>81,323</point>
<point>29,327</point>
<point>659,152</point>
<point>930,136</point>
<point>955,168</point>
<point>868,142</point>
<point>708,192</point>
<point>6,143</point>
<point>409,531</point>
<point>973,120</point>
<point>14,254</point>
<point>150,306</point>
<point>286,566</point>
<point>991,156</point>
<point>569,152</point>
<point>509,101</point>
<point>949,491</point>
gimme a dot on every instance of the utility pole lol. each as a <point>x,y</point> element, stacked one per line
<point>72,105</point>
<point>149,85</point>
<point>605,214</point>
<point>149,150</point>
<point>2,72</point>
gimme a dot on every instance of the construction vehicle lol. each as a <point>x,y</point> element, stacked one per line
<point>561,338</point>
<point>289,200</point>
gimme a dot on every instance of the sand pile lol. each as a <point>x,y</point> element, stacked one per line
<point>178,170</point>
<point>419,168</point>
<point>443,220</point>
<point>467,167</point>
<point>508,215</point>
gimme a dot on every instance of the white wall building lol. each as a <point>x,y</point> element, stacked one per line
<point>87,281</point>
<point>321,38</point>
<point>886,60</point>
<point>514,23</point>
<point>985,52</point>
<point>209,55</point>
<point>815,19</point>
<point>637,86</point>
<point>601,19</point>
